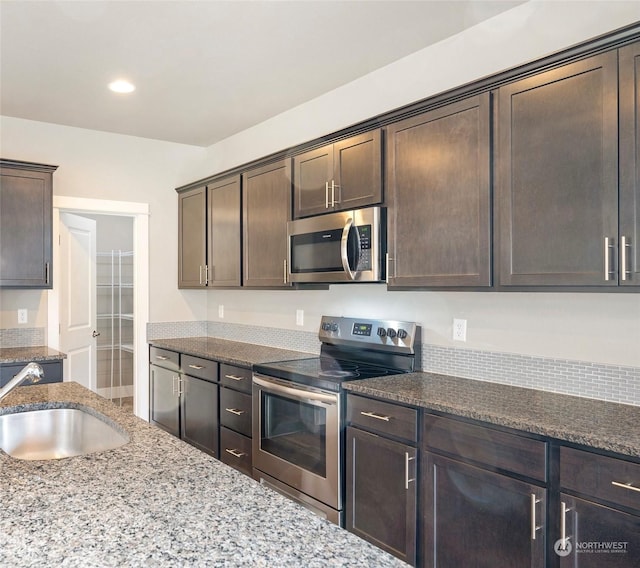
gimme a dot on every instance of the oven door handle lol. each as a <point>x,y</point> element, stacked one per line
<point>344,245</point>
<point>293,392</point>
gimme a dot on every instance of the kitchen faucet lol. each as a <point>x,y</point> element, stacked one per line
<point>32,371</point>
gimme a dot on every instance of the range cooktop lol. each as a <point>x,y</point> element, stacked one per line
<point>352,349</point>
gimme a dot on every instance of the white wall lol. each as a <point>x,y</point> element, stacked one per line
<point>107,166</point>
<point>602,328</point>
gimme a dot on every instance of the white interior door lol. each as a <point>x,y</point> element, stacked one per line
<point>78,298</point>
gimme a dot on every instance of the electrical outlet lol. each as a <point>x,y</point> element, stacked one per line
<point>23,316</point>
<point>220,311</point>
<point>299,317</point>
<point>459,329</point>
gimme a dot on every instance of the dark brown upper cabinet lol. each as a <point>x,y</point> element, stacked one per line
<point>266,198</point>
<point>26,224</point>
<point>343,175</point>
<point>192,238</point>
<point>557,168</point>
<point>629,238</point>
<point>439,197</point>
<point>223,209</point>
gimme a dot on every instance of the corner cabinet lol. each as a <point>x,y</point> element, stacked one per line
<point>557,200</point>
<point>192,238</point>
<point>266,209</point>
<point>381,484</point>
<point>26,224</point>
<point>439,197</point>
<point>209,235</point>
<point>339,176</point>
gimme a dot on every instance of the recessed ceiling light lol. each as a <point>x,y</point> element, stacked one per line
<point>122,86</point>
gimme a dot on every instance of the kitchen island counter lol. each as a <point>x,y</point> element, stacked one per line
<point>156,501</point>
<point>594,423</point>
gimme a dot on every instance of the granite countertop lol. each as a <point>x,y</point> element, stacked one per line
<point>231,352</point>
<point>27,354</point>
<point>598,424</point>
<point>156,501</point>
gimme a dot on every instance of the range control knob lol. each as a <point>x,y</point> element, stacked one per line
<point>391,332</point>
<point>333,327</point>
<point>382,332</point>
<point>326,326</point>
<point>402,334</point>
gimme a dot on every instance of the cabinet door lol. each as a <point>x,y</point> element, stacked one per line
<point>381,492</point>
<point>165,402</point>
<point>630,165</point>
<point>199,419</point>
<point>266,198</point>
<point>313,170</point>
<point>479,519</point>
<point>557,161</point>
<point>224,260</point>
<point>597,536</point>
<point>25,228</point>
<point>438,187</point>
<point>357,171</point>
<point>192,238</point>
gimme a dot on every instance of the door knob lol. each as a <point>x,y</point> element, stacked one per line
<point>95,333</point>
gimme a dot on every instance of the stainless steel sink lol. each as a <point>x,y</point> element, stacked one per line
<point>56,433</point>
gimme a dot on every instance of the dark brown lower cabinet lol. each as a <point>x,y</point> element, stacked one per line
<point>480,519</point>
<point>597,536</point>
<point>199,414</point>
<point>165,404</point>
<point>381,492</point>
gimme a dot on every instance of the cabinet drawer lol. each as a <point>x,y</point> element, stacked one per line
<point>164,358</point>
<point>603,477</point>
<point>492,448</point>
<point>235,450</point>
<point>383,417</point>
<point>200,368</point>
<point>235,377</point>
<point>52,372</point>
<point>235,410</point>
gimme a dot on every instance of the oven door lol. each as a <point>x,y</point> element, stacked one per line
<point>296,437</point>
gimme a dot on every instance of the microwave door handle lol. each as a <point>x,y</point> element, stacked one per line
<point>344,243</point>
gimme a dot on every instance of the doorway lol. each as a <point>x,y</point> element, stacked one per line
<point>121,297</point>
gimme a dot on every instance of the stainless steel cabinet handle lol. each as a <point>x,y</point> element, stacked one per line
<point>333,193</point>
<point>376,416</point>
<point>607,259</point>
<point>284,264</point>
<point>629,486</point>
<point>624,245</point>
<point>198,367</point>
<point>161,357</point>
<point>175,390</point>
<point>235,411</point>
<point>234,377</point>
<point>234,453</point>
<point>47,272</point>
<point>407,459</point>
<point>326,195</point>
<point>200,275</point>
<point>534,528</point>
<point>563,525</point>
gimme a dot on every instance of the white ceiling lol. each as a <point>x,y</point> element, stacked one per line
<point>204,70</point>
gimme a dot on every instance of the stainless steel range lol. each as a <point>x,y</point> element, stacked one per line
<point>299,407</point>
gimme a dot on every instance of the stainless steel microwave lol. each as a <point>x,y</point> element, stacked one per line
<point>339,247</point>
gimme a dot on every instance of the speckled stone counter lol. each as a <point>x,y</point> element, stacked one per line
<point>155,501</point>
<point>598,424</point>
<point>27,354</point>
<point>231,352</point>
